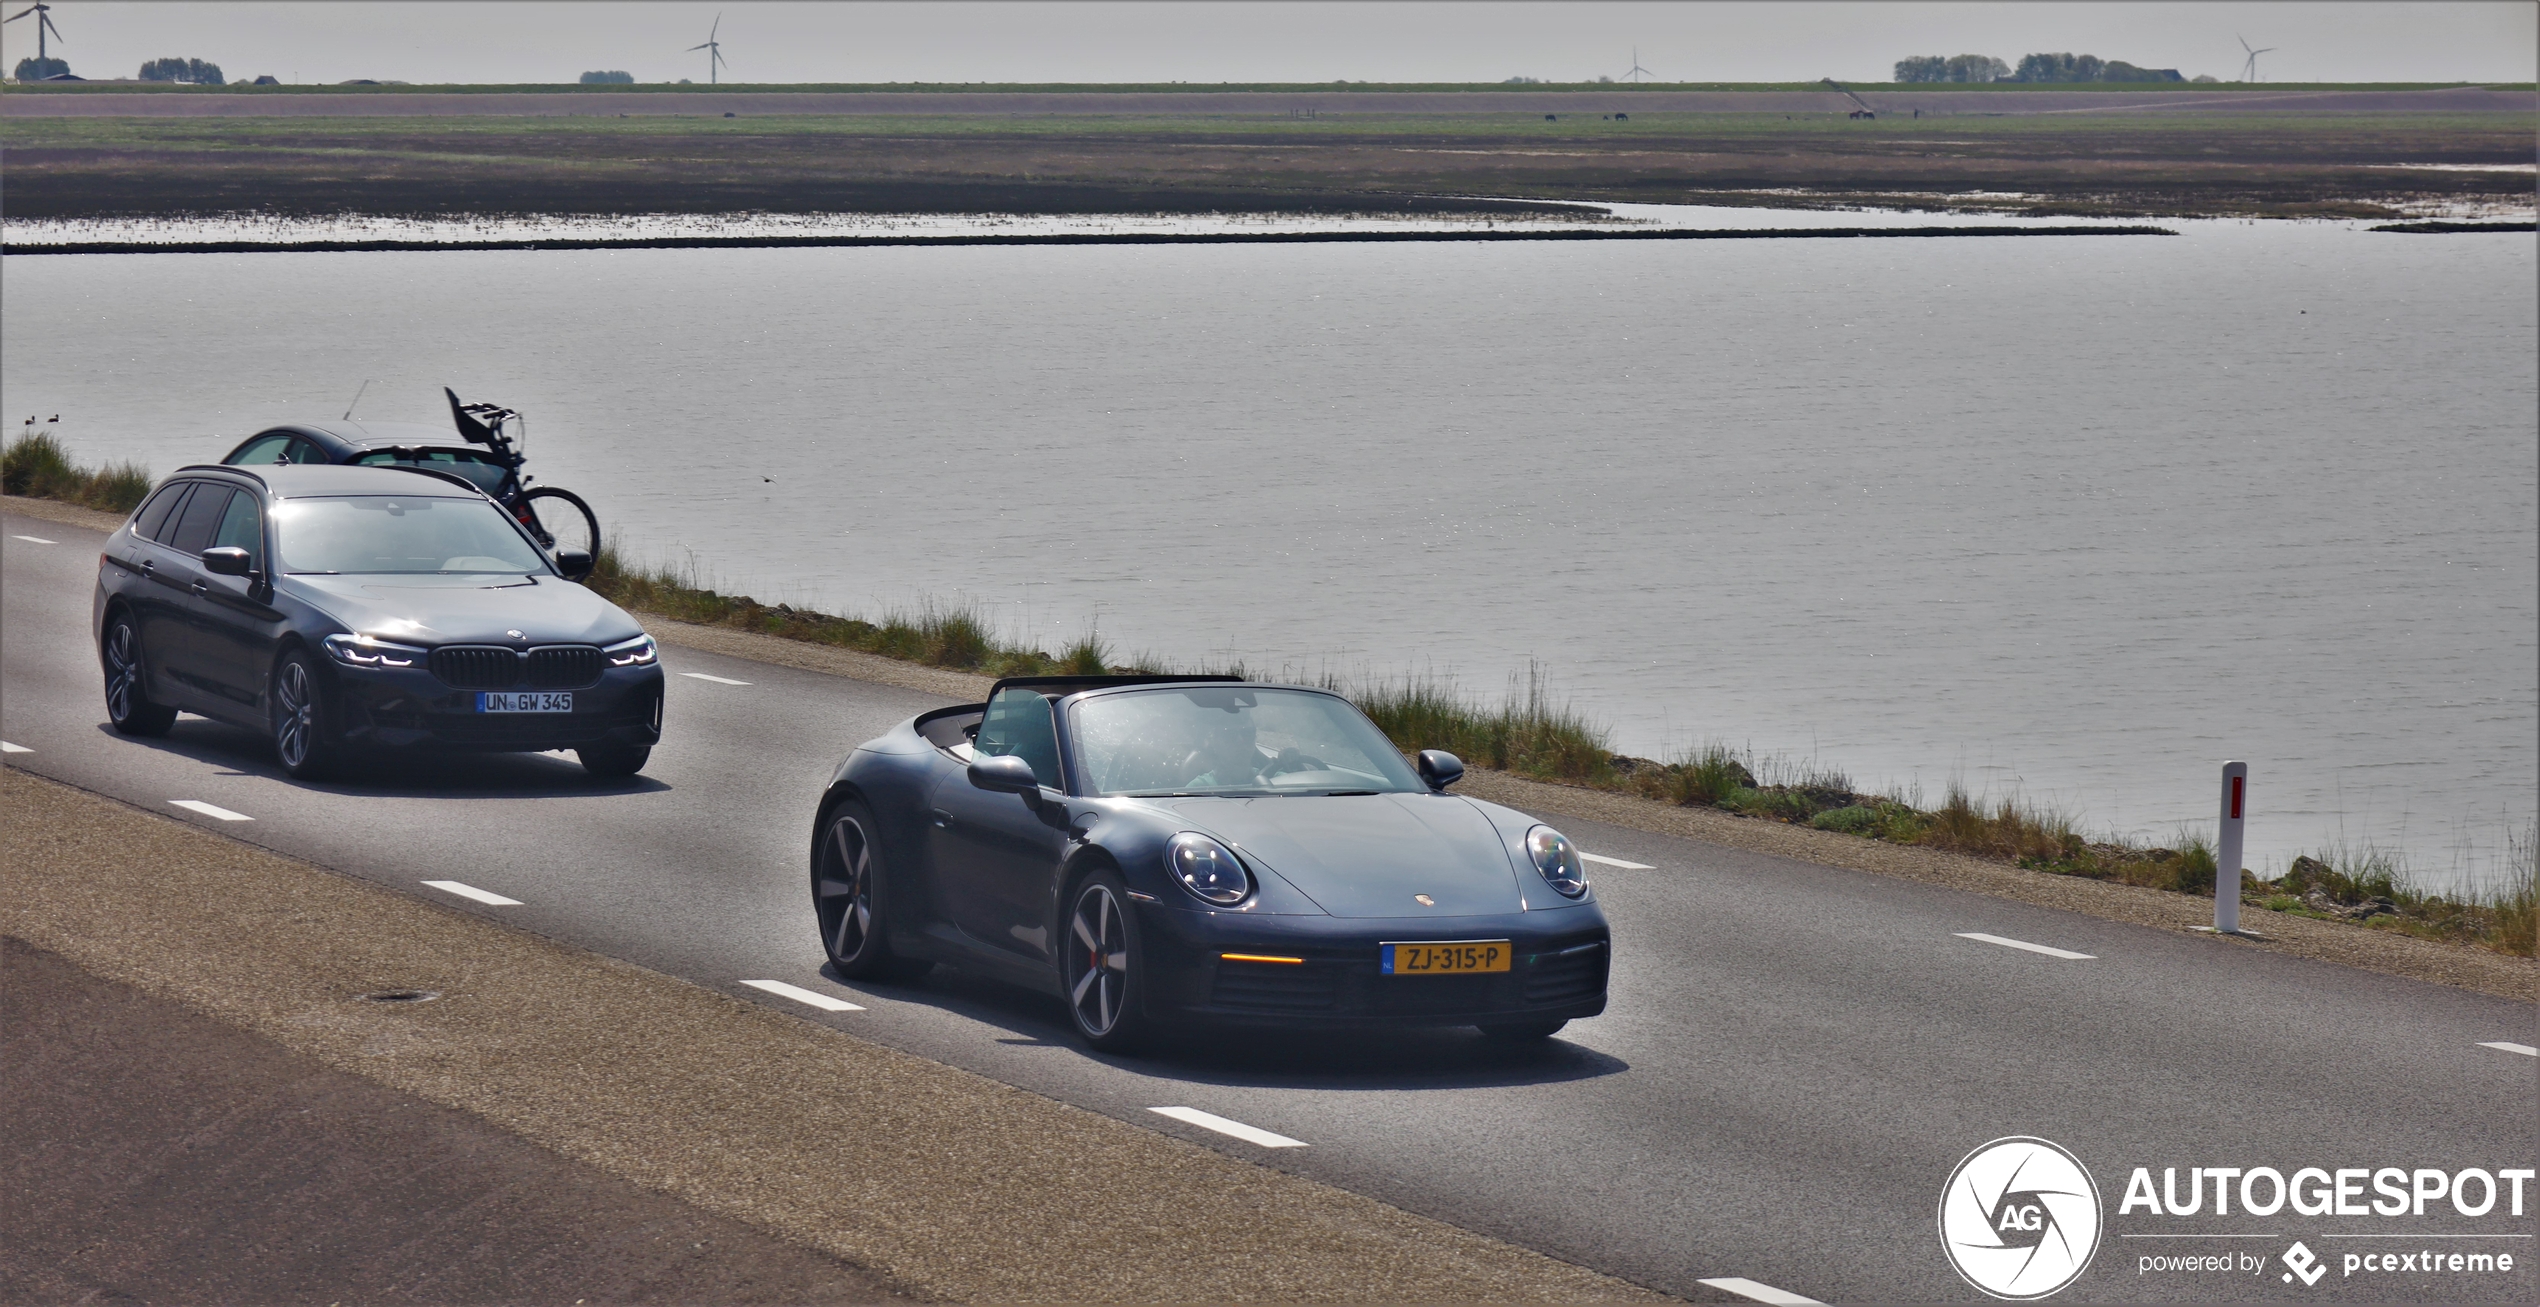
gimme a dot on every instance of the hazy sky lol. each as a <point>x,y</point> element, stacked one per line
<point>1246,41</point>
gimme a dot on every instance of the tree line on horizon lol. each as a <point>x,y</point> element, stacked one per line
<point>2042,68</point>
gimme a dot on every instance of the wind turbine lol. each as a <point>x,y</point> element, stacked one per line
<point>713,49</point>
<point>43,23</point>
<point>2249,70</point>
<point>1637,71</point>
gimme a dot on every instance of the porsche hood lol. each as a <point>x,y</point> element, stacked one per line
<point>1368,855</point>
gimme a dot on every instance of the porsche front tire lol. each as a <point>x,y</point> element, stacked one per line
<point>1100,966</point>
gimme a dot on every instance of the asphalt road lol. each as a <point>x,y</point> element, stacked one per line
<point>1795,1057</point>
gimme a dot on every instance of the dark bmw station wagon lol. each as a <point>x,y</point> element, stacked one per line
<point>357,611</point>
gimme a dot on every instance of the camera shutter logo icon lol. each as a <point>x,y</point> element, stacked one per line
<point>2020,1218</point>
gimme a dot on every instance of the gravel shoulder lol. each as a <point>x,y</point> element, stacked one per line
<point>941,1182</point>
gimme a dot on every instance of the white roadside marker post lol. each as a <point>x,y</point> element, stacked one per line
<point>2235,796</point>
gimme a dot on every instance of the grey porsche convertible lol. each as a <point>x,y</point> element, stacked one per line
<point>1171,853</point>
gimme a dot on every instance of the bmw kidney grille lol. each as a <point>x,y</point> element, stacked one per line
<point>492,667</point>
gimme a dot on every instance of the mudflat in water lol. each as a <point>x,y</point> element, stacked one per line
<point>2079,517</point>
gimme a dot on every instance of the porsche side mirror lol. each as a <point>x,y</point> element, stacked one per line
<point>228,560</point>
<point>573,564</point>
<point>1440,769</point>
<point>1005,774</point>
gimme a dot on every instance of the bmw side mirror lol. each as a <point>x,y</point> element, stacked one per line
<point>573,564</point>
<point>1005,774</point>
<point>1440,769</point>
<point>228,560</point>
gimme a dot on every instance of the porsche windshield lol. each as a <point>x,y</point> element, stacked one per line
<point>1233,740</point>
<point>400,534</point>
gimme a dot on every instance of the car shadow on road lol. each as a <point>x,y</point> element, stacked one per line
<point>1441,1058</point>
<point>413,776</point>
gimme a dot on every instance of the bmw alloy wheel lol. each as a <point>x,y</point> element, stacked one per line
<point>123,672</point>
<point>128,703</point>
<point>294,714</point>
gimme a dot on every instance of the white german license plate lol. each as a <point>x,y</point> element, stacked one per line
<point>1462,957</point>
<point>525,701</point>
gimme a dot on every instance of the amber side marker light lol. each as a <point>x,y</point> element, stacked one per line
<point>1257,957</point>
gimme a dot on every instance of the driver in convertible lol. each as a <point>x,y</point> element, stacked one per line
<point>1228,756</point>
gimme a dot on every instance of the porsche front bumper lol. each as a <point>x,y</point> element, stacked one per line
<point>1558,971</point>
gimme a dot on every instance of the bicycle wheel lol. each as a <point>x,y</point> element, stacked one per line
<point>561,520</point>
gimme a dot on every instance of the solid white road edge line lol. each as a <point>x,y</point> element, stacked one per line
<point>1746,1288</point>
<point>2064,953</point>
<point>35,540</point>
<point>1212,1121</point>
<point>472,892</point>
<point>209,810</point>
<point>719,680</point>
<point>800,995</point>
<point>6,747</point>
<point>2525,1049</point>
<point>1616,862</point>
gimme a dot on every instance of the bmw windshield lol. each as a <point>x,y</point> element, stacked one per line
<point>401,535</point>
<point>1232,741</point>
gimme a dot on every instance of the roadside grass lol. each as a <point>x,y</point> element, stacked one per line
<point>1530,731</point>
<point>37,465</point>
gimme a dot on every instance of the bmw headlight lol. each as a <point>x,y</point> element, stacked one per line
<point>1208,869</point>
<point>638,652</point>
<point>1558,859</point>
<point>371,651</point>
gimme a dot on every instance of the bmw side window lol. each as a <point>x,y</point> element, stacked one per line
<point>154,515</point>
<point>1018,723</point>
<point>193,533</point>
<point>261,450</point>
<point>242,526</point>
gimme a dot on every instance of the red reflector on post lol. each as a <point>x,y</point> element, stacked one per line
<point>2238,784</point>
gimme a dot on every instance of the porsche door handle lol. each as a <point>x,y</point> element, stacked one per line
<point>941,818</point>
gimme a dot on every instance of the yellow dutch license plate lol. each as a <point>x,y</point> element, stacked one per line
<point>1460,957</point>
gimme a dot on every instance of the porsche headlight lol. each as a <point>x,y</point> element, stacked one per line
<point>638,652</point>
<point>371,651</point>
<point>1558,859</point>
<point>1208,869</point>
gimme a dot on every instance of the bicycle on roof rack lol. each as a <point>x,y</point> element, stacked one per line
<point>557,517</point>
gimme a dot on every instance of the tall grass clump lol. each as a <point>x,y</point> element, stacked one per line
<point>36,465</point>
<point>2372,886</point>
<point>1527,731</point>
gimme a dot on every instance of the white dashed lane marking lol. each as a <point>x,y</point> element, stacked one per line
<point>472,892</point>
<point>2064,953</point>
<point>210,810</point>
<point>6,747</point>
<point>1212,1121</point>
<point>1616,862</point>
<point>36,540</point>
<point>719,680</point>
<point>1760,1292</point>
<point>813,998</point>
<point>2525,1049</point>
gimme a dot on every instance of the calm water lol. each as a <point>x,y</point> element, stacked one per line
<point>2076,516</point>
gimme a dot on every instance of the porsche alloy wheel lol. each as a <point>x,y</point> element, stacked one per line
<point>1101,973</point>
<point>848,895</point>
<point>128,703</point>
